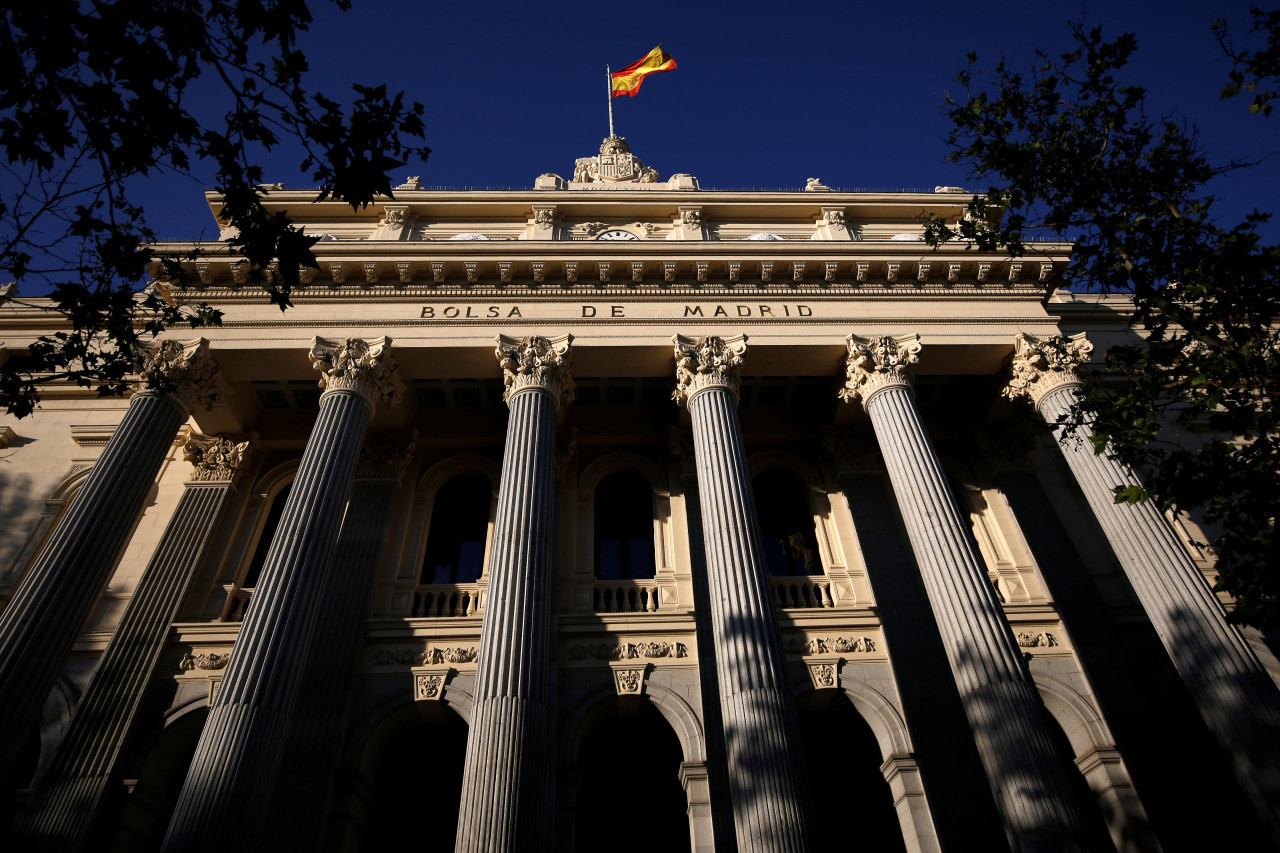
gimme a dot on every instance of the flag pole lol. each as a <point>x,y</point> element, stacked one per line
<point>609,77</point>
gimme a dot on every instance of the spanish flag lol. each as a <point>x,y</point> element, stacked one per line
<point>627,81</point>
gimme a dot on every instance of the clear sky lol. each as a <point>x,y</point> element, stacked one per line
<point>765,95</point>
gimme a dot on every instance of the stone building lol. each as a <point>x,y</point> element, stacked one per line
<point>615,514</point>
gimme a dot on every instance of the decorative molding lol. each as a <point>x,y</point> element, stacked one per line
<point>922,271</point>
<point>336,273</point>
<point>637,271</point>
<point>216,458</point>
<point>891,271</point>
<point>877,363</point>
<point>240,273</point>
<point>984,271</point>
<point>181,368</point>
<point>629,651</point>
<point>395,217</point>
<point>735,271</point>
<point>428,686</point>
<point>831,645</point>
<point>703,267</point>
<point>504,272</point>
<point>833,218</point>
<point>797,271</point>
<point>472,275</point>
<point>668,271</point>
<point>539,272</point>
<point>437,272</point>
<point>830,274</point>
<point>605,268</point>
<point>863,269</point>
<point>204,660</point>
<point>710,362</point>
<point>202,271</point>
<point>537,362</point>
<point>403,271</point>
<point>305,274</point>
<point>766,271</point>
<point>359,366</point>
<point>1015,270</point>
<point>1040,366</point>
<point>1046,271</point>
<point>953,272</point>
<point>425,657</point>
<point>825,674</point>
<point>691,217</point>
<point>629,679</point>
<point>571,271</point>
<point>1044,639</point>
<point>544,218</point>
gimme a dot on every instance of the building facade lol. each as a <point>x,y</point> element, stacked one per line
<point>615,514</point>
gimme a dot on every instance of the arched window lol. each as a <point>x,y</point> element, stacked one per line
<point>459,527</point>
<point>624,528</point>
<point>264,538</point>
<point>786,524</point>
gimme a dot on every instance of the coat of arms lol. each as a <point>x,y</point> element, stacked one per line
<point>614,164</point>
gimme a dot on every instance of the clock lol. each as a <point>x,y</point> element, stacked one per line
<point>616,234</point>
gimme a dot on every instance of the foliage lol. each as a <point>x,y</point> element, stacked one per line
<point>1068,152</point>
<point>1253,67</point>
<point>96,97</point>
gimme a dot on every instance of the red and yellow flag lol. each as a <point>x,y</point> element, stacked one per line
<point>627,81</point>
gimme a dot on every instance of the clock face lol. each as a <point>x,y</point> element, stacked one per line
<point>616,234</point>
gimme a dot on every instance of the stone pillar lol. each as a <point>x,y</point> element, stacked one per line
<point>70,793</point>
<point>1009,723</point>
<point>1236,698</point>
<point>766,778</point>
<point>304,787</point>
<point>225,799</point>
<point>503,802</point>
<point>53,601</point>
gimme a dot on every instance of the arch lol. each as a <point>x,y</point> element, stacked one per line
<point>398,709</point>
<point>623,460</point>
<point>463,463</point>
<point>664,544</point>
<point>670,704</point>
<point>1080,722</point>
<point>880,712</point>
<point>784,460</point>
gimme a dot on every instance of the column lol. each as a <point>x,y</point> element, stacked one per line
<point>224,801</point>
<point>304,787</point>
<point>70,793</point>
<point>41,622</point>
<point>1228,684</point>
<point>1009,723</point>
<point>766,778</point>
<point>503,801</point>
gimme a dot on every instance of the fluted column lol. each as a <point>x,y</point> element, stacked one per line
<point>228,789</point>
<point>503,801</point>
<point>766,778</point>
<point>53,601</point>
<point>1009,723</point>
<point>304,787</point>
<point>71,791</point>
<point>1228,684</point>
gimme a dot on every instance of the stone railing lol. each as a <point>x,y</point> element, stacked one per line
<point>447,599</point>
<point>237,603</point>
<point>802,592</point>
<point>626,596</point>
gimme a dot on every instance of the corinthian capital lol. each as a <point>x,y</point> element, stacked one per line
<point>537,362</point>
<point>216,457</point>
<point>877,363</point>
<point>183,369</point>
<point>1040,366</point>
<point>356,365</point>
<point>710,362</point>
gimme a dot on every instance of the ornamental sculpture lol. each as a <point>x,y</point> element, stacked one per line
<point>216,457</point>
<point>356,365</point>
<point>710,362</point>
<point>1040,366</point>
<point>614,164</point>
<point>877,363</point>
<point>183,369</point>
<point>537,362</point>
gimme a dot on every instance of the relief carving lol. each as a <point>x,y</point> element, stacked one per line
<point>629,651</point>
<point>877,363</point>
<point>427,687</point>
<point>426,657</point>
<point>216,457</point>
<point>628,681</point>
<point>1031,641</point>
<point>1040,366</point>
<point>537,362</point>
<point>205,660</point>
<point>356,365</point>
<point>710,362</point>
<point>831,645</point>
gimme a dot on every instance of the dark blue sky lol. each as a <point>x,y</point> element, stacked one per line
<point>765,95</point>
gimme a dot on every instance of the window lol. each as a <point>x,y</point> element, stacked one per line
<point>624,528</point>
<point>459,527</point>
<point>786,524</point>
<point>264,538</point>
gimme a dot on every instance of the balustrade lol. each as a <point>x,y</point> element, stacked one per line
<point>626,596</point>
<point>447,599</point>
<point>237,603</point>
<point>803,592</point>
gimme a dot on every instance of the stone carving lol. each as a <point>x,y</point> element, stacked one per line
<point>668,271</point>
<point>953,272</point>
<point>304,274</point>
<point>437,272</point>
<point>210,660</point>
<point>591,229</point>
<point>413,182</point>
<point>183,369</point>
<point>703,267</point>
<point>571,271</point>
<point>766,271</point>
<point>614,164</point>
<point>1040,366</point>
<point>544,218</point>
<point>891,271</point>
<point>863,269</point>
<point>1046,271</point>
<point>830,275</point>
<point>402,269</point>
<point>240,273</point>
<point>472,275</point>
<point>629,651</point>
<point>735,271</point>
<point>922,271</point>
<point>831,645</point>
<point>1044,639</point>
<point>371,272</point>
<point>427,687</point>
<point>504,272</point>
<point>1015,270</point>
<point>637,271</point>
<point>605,268</point>
<point>707,362</point>
<point>984,271</point>
<point>813,185</point>
<point>336,273</point>
<point>395,216</point>
<point>797,271</point>
<point>691,218</point>
<point>876,363</point>
<point>538,267</point>
<point>388,657</point>
<point>537,362</point>
<point>384,457</point>
<point>205,275</point>
<point>833,218</point>
<point>216,457</point>
<point>628,681</point>
<point>427,657</point>
<point>356,365</point>
<point>823,674</point>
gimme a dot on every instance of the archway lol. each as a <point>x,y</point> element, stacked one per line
<point>843,760</point>
<point>150,803</point>
<point>630,754</point>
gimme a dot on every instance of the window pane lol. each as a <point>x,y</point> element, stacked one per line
<point>786,524</point>
<point>459,524</point>
<point>624,528</point>
<point>264,539</point>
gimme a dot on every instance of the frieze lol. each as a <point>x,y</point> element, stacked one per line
<point>1041,640</point>
<point>204,660</point>
<point>629,651</point>
<point>424,657</point>
<point>831,645</point>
